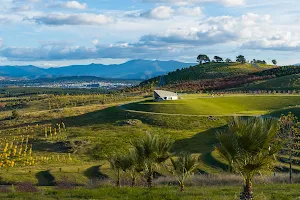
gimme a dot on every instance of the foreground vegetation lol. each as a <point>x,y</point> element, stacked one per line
<point>263,192</point>
<point>95,126</point>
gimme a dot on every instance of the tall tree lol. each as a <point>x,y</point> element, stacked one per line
<point>249,146</point>
<point>203,58</point>
<point>116,162</point>
<point>183,167</point>
<point>152,150</point>
<point>274,62</point>
<point>218,59</point>
<point>130,165</point>
<point>289,131</point>
<point>241,59</point>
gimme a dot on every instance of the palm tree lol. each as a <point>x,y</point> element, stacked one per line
<point>152,151</point>
<point>130,164</point>
<point>116,164</point>
<point>183,167</point>
<point>249,146</point>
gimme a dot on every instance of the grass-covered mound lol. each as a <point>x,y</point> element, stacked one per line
<point>218,106</point>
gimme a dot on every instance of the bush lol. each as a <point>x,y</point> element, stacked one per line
<point>15,114</point>
<point>130,122</point>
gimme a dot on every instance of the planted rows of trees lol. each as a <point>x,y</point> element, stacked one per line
<point>63,101</point>
<point>17,145</point>
<point>249,145</point>
<point>216,84</point>
<point>233,81</point>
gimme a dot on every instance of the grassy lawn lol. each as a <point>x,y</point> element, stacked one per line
<point>261,192</point>
<point>216,106</point>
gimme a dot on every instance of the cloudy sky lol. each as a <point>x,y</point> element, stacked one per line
<point>59,32</point>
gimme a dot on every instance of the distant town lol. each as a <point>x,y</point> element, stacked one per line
<point>87,82</point>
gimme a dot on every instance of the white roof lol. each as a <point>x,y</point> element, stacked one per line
<point>163,93</point>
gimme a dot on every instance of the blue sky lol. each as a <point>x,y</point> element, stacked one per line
<point>51,33</point>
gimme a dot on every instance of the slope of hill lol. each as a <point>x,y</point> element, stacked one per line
<point>134,69</point>
<point>289,82</point>
<point>211,76</point>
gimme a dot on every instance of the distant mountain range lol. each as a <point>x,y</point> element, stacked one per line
<point>134,69</point>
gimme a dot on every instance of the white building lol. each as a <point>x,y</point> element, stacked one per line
<point>161,95</point>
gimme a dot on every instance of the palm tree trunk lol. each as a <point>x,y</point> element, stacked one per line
<point>247,194</point>
<point>118,184</point>
<point>291,171</point>
<point>150,180</point>
<point>181,187</point>
<point>133,181</point>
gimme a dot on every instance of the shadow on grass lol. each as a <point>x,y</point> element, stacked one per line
<point>278,113</point>
<point>107,115</point>
<point>202,143</point>
<point>95,173</point>
<point>45,178</point>
<point>57,147</point>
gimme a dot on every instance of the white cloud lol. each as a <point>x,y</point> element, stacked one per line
<point>193,2</point>
<point>95,42</point>
<point>221,29</point>
<point>72,19</point>
<point>1,40</point>
<point>69,5</point>
<point>161,12</point>
<point>284,41</point>
<point>166,12</point>
<point>75,5</point>
<point>187,11</point>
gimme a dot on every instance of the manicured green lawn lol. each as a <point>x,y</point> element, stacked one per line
<point>215,106</point>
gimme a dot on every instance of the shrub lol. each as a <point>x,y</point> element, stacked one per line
<point>15,114</point>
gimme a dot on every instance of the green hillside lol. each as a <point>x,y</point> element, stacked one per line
<point>208,71</point>
<point>224,76</point>
<point>290,82</point>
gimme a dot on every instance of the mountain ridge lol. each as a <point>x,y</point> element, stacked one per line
<point>133,69</point>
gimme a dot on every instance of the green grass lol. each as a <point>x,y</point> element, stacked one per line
<point>105,126</point>
<point>218,106</point>
<point>262,192</point>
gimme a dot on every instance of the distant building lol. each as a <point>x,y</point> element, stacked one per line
<point>161,95</point>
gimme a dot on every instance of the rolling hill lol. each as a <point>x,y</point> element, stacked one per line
<point>219,76</point>
<point>134,69</point>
